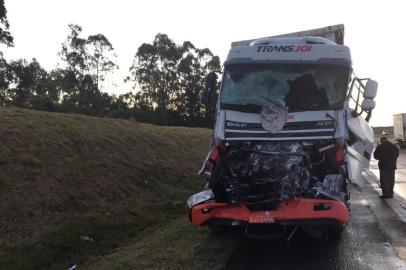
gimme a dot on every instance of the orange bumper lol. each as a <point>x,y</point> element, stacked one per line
<point>290,211</point>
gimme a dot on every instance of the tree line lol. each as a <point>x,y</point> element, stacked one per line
<point>167,79</point>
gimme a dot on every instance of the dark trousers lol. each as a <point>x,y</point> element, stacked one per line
<point>387,182</point>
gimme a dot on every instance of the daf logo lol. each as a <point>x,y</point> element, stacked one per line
<point>236,124</point>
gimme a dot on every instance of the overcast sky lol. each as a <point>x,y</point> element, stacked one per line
<point>374,31</point>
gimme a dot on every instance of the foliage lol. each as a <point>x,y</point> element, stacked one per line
<point>5,36</point>
<point>30,86</point>
<point>168,79</point>
<point>99,57</point>
<point>86,62</point>
<point>155,71</point>
<point>73,51</point>
<point>5,77</point>
<point>193,68</point>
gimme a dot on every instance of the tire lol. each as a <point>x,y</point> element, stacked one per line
<point>216,182</point>
<point>216,229</point>
<point>335,231</point>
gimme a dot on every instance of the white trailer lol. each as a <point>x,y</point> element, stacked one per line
<point>399,129</point>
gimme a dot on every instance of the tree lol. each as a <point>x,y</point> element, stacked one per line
<point>92,56</point>
<point>193,68</point>
<point>120,106</point>
<point>100,55</point>
<point>31,85</point>
<point>154,71</point>
<point>5,78</point>
<point>90,100</point>
<point>73,54</point>
<point>87,60</point>
<point>5,36</point>
<point>62,81</point>
<point>73,51</point>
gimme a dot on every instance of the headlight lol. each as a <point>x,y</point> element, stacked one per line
<point>197,198</point>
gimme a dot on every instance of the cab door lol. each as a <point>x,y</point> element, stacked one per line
<point>360,140</point>
<point>359,147</point>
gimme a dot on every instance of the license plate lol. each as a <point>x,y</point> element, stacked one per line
<point>261,219</point>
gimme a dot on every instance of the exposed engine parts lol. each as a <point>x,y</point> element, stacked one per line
<point>253,172</point>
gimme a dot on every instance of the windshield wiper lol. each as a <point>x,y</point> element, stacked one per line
<point>249,108</point>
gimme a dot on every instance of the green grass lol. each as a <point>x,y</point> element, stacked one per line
<point>173,245</point>
<point>65,179</point>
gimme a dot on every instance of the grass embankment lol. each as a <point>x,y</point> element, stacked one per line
<point>74,189</point>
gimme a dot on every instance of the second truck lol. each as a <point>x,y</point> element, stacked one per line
<point>399,129</point>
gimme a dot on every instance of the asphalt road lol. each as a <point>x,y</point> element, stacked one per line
<point>375,238</point>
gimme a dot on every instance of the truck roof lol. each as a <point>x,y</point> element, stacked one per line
<point>321,45</point>
<point>334,33</point>
<point>290,50</point>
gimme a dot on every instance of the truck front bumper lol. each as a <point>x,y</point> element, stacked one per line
<point>293,211</point>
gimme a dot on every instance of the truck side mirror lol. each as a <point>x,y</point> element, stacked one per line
<point>368,104</point>
<point>371,88</point>
<point>211,82</point>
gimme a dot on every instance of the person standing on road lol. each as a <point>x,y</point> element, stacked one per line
<point>387,153</point>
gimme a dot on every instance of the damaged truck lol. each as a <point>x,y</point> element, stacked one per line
<point>291,134</point>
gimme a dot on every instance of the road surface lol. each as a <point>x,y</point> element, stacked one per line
<point>375,238</point>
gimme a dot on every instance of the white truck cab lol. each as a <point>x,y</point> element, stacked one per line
<point>291,123</point>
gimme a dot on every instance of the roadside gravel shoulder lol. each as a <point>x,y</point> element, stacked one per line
<point>390,213</point>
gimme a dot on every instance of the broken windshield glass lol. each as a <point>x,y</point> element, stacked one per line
<point>298,87</point>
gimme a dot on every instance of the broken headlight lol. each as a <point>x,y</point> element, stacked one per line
<point>200,197</point>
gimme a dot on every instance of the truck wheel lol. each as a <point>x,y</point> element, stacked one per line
<point>335,231</point>
<point>216,181</point>
<point>216,229</point>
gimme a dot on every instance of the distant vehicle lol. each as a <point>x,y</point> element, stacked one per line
<point>399,129</point>
<point>291,131</point>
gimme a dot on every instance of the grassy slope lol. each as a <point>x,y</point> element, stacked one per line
<point>176,245</point>
<point>75,187</point>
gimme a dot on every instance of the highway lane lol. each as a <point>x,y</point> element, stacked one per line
<point>365,243</point>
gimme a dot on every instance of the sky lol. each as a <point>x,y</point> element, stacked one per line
<point>374,31</point>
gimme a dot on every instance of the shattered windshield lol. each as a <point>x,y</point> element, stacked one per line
<point>298,87</point>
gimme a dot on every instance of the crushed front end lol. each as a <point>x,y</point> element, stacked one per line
<point>273,182</point>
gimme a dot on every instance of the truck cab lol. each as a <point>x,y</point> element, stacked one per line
<point>291,132</point>
<point>399,129</point>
